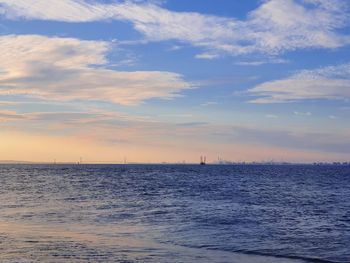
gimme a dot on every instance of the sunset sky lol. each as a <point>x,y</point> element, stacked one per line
<point>170,80</point>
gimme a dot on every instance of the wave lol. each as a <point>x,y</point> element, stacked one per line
<point>257,253</point>
<point>307,259</point>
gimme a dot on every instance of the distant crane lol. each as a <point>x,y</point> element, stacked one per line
<point>203,160</point>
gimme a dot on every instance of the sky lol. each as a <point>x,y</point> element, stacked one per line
<point>171,80</point>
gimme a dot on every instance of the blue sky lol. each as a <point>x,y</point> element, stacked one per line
<point>172,80</point>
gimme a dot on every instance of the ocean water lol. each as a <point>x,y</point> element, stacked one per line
<point>174,213</point>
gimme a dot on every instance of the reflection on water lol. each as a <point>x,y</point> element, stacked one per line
<point>31,243</point>
<point>74,241</point>
<point>98,213</point>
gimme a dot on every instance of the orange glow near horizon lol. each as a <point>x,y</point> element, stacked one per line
<point>20,146</point>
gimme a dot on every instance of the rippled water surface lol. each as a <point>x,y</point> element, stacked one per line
<point>174,213</point>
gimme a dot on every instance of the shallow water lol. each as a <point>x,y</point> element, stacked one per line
<point>174,213</point>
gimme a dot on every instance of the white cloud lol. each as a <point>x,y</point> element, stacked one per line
<point>71,69</point>
<point>302,113</point>
<point>279,25</point>
<point>332,117</point>
<point>331,82</point>
<point>207,56</point>
<point>175,48</point>
<point>263,62</point>
<point>274,27</point>
<point>209,103</point>
<point>64,10</point>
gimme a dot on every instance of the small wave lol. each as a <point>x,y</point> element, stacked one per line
<point>307,259</point>
<point>257,253</point>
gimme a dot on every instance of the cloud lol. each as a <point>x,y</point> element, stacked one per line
<point>263,62</point>
<point>71,69</point>
<point>7,103</point>
<point>192,124</point>
<point>274,27</point>
<point>332,117</point>
<point>9,115</point>
<point>209,103</point>
<point>271,116</point>
<point>175,48</point>
<point>279,25</point>
<point>91,117</point>
<point>65,10</point>
<point>302,113</point>
<point>207,56</point>
<point>331,82</point>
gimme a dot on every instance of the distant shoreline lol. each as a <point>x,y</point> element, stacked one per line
<point>164,163</point>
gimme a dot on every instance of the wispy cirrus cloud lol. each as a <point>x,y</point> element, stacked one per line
<point>91,117</point>
<point>274,27</point>
<point>263,62</point>
<point>71,69</point>
<point>10,115</point>
<point>330,82</point>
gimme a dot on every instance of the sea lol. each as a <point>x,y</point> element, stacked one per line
<point>174,213</point>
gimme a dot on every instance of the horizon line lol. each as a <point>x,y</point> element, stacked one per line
<point>178,163</point>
